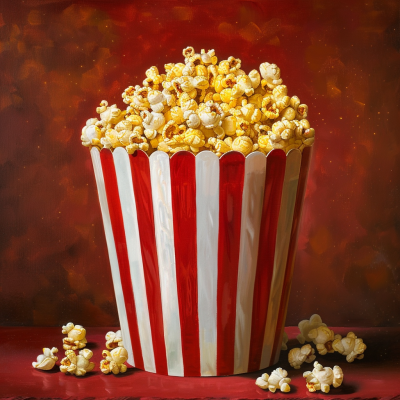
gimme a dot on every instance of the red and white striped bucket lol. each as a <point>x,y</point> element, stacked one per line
<point>202,251</point>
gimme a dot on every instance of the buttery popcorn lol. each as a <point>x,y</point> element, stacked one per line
<point>277,380</point>
<point>321,378</point>
<point>298,355</point>
<point>204,105</point>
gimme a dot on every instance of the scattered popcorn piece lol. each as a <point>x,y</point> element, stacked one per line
<point>322,338</point>
<point>322,378</point>
<point>114,361</point>
<point>77,364</point>
<point>217,98</point>
<point>298,355</point>
<point>76,337</point>
<point>306,326</point>
<point>285,339</point>
<point>114,339</point>
<point>277,380</point>
<point>350,346</point>
<point>46,360</point>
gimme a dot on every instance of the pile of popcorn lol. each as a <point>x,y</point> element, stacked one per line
<point>204,105</point>
<point>79,364</point>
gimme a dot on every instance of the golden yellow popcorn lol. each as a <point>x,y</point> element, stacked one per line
<point>220,146</point>
<point>229,125</point>
<point>137,142</point>
<point>243,144</point>
<point>171,129</point>
<point>203,104</point>
<point>230,65</point>
<point>154,79</point>
<point>209,57</point>
<point>192,137</point>
<point>281,98</point>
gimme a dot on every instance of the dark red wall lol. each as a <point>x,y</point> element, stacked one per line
<point>59,59</point>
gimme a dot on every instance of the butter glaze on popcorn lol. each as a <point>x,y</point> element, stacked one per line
<point>208,102</point>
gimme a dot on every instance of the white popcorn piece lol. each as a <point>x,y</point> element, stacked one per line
<point>350,346</point>
<point>156,100</point>
<point>277,380</point>
<point>211,115</point>
<point>76,338</point>
<point>255,78</point>
<point>91,135</point>
<point>244,82</point>
<point>110,115</point>
<point>189,70</point>
<point>114,361</point>
<point>152,120</point>
<point>298,356</point>
<point>209,57</point>
<point>271,74</point>
<point>322,378</point>
<point>192,119</point>
<point>47,360</point>
<point>77,364</point>
<point>306,326</point>
<point>285,339</point>
<point>114,339</point>
<point>323,338</point>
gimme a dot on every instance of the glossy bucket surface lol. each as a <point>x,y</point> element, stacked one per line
<point>201,251</point>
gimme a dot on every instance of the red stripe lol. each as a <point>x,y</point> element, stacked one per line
<point>183,195</point>
<point>114,207</point>
<point>140,168</point>
<point>275,174</point>
<point>231,181</point>
<point>305,163</point>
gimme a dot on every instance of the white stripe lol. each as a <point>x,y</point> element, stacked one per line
<point>129,215</point>
<point>207,219</point>
<point>112,253</point>
<point>252,203</point>
<point>164,230</point>
<point>289,191</point>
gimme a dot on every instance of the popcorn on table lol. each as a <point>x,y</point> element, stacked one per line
<point>277,380</point>
<point>76,338</point>
<point>350,346</point>
<point>47,360</point>
<point>77,364</point>
<point>204,105</point>
<point>297,356</point>
<point>321,378</point>
<point>114,339</point>
<point>306,326</point>
<point>323,338</point>
<point>114,361</point>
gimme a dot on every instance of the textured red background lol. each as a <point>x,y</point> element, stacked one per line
<point>59,59</point>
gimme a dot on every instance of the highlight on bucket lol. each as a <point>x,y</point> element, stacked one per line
<point>202,252</point>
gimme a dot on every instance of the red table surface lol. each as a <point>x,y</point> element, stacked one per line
<point>376,376</point>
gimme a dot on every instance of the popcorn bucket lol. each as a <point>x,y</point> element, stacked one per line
<point>202,252</point>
